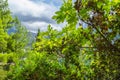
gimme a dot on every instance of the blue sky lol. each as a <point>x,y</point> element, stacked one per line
<point>36,14</point>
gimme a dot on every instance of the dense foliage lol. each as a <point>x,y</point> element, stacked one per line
<point>87,48</point>
<point>12,45</point>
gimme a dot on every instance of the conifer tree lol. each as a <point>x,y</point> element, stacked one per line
<point>5,23</point>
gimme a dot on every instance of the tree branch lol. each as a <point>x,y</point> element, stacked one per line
<point>108,42</point>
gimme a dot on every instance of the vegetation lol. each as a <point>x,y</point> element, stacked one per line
<point>87,48</point>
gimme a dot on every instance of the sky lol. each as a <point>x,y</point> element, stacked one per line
<point>36,14</point>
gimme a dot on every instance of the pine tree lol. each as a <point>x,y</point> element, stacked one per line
<point>5,23</point>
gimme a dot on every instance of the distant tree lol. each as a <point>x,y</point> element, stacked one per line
<point>19,39</point>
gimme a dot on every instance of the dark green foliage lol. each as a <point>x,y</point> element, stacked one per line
<point>101,18</point>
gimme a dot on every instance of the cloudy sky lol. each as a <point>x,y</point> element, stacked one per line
<point>36,14</point>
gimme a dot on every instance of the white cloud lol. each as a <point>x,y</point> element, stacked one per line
<point>33,27</point>
<point>27,7</point>
<point>33,10</point>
